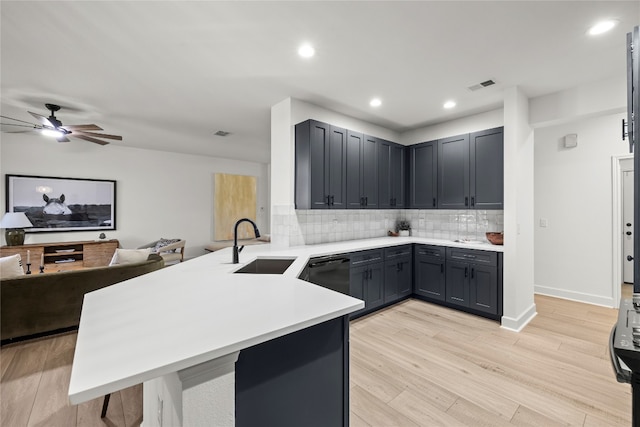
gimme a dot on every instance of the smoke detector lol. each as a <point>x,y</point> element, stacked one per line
<point>482,85</point>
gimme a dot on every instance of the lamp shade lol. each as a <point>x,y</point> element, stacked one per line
<point>15,220</point>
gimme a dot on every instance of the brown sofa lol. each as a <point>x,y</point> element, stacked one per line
<point>39,304</point>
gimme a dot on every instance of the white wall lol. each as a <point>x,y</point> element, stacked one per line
<point>159,194</point>
<point>477,122</point>
<point>573,192</point>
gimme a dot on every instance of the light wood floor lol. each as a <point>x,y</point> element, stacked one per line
<point>413,364</point>
<point>418,364</point>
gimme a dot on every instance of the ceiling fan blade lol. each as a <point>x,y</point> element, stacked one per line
<point>21,121</point>
<point>42,119</point>
<point>98,135</point>
<point>89,138</point>
<point>82,127</point>
<point>32,126</point>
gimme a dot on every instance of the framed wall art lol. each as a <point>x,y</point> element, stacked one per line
<point>63,204</point>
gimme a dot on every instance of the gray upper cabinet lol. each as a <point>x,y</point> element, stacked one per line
<point>423,169</point>
<point>471,171</point>
<point>453,172</point>
<point>391,174</point>
<point>487,169</point>
<point>320,162</point>
<point>362,171</point>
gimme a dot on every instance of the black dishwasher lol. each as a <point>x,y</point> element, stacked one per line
<point>331,272</point>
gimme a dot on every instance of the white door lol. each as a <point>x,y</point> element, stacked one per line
<point>627,226</point>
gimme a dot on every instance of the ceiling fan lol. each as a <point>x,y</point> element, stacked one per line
<point>51,126</point>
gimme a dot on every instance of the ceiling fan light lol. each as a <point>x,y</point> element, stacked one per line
<point>52,133</point>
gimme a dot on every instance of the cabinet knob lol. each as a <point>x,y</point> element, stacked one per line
<point>628,233</point>
<point>466,201</point>
<point>628,224</point>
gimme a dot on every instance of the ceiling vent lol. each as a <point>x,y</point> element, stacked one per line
<point>222,133</point>
<point>482,85</point>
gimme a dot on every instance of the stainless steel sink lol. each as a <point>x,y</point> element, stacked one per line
<point>267,266</point>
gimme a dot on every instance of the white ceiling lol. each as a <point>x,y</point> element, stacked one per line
<point>168,75</point>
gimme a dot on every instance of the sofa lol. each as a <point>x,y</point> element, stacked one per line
<point>40,304</point>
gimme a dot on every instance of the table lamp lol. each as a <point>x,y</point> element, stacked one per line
<point>14,223</point>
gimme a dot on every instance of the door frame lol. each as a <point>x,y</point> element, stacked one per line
<point>616,223</point>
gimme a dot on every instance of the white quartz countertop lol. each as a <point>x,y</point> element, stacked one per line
<point>196,311</point>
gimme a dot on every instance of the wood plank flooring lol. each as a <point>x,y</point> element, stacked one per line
<point>418,364</point>
<point>413,364</point>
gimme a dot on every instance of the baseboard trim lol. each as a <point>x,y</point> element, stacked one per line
<point>576,296</point>
<point>517,324</point>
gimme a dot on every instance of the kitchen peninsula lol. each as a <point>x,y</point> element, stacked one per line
<point>204,332</point>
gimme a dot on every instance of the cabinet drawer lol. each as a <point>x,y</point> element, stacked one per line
<point>365,257</point>
<point>433,251</point>
<point>397,251</point>
<point>473,256</point>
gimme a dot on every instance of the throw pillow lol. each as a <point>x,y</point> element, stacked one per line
<point>164,242</point>
<point>11,266</point>
<point>129,256</point>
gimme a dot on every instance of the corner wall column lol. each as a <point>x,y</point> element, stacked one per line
<point>519,305</point>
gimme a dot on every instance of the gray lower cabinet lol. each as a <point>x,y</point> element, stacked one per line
<point>299,379</point>
<point>472,280</point>
<point>366,279</point>
<point>397,273</point>
<point>429,272</point>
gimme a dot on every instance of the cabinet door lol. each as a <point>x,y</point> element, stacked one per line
<point>369,167</point>
<point>398,172</point>
<point>384,174</point>
<point>335,178</point>
<point>354,165</point>
<point>357,280</point>
<point>98,254</point>
<point>453,172</point>
<point>423,180</point>
<point>391,278</point>
<point>487,169</point>
<point>483,288</point>
<point>405,276</point>
<point>374,286</point>
<point>312,142</point>
<point>429,277</point>
<point>457,289</point>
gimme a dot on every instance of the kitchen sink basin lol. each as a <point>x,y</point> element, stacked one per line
<point>267,266</point>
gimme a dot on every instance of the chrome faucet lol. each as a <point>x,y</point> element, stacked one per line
<point>237,251</point>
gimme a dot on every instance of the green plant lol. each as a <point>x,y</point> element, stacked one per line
<point>403,224</point>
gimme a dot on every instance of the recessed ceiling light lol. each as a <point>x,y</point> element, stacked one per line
<point>449,104</point>
<point>602,27</point>
<point>375,102</point>
<point>306,51</point>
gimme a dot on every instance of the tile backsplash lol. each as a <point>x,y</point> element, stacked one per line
<point>291,227</point>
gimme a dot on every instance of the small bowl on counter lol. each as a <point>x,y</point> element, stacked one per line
<point>496,238</point>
